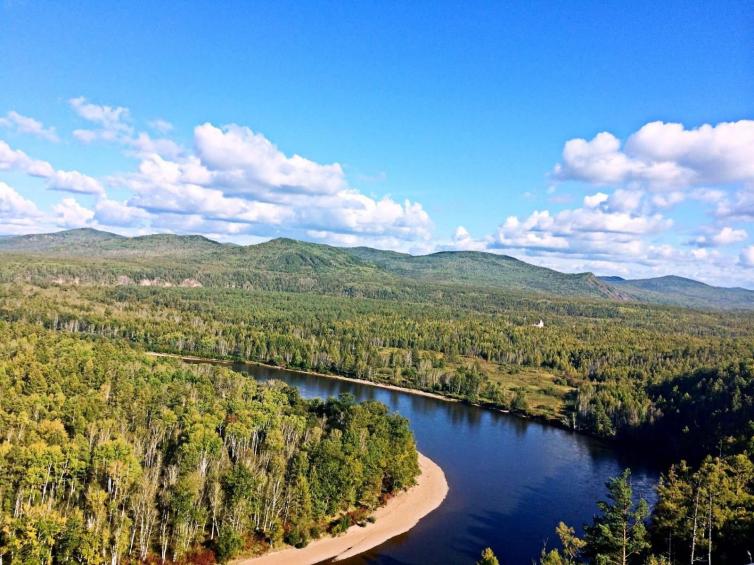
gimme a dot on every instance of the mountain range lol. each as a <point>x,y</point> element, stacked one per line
<point>88,255</point>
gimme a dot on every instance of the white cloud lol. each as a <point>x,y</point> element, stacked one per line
<point>725,236</point>
<point>664,155</point>
<point>595,200</point>
<point>68,181</point>
<point>595,230</point>
<point>235,184</point>
<point>113,124</point>
<point>668,199</point>
<point>19,215</point>
<point>113,213</point>
<point>747,256</point>
<point>728,236</point>
<point>239,182</point>
<point>15,208</point>
<point>625,200</point>
<point>463,241</point>
<point>708,195</point>
<point>74,181</point>
<point>144,144</point>
<point>533,232</point>
<point>15,159</point>
<point>249,163</point>
<point>85,135</point>
<point>600,161</point>
<point>25,124</point>
<point>70,214</point>
<point>112,121</point>
<point>739,207</point>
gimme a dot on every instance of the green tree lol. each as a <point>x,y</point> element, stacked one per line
<point>618,535</point>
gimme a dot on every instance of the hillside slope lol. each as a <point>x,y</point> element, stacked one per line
<point>681,291</point>
<point>87,256</point>
<point>485,270</point>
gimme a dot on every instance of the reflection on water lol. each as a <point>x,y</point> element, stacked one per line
<point>511,480</point>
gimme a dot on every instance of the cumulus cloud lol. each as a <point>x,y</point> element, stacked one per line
<point>15,159</point>
<point>725,236</point>
<point>70,214</point>
<point>463,241</point>
<point>15,209</point>
<point>25,124</point>
<point>74,181</point>
<point>595,230</point>
<point>114,213</point>
<point>668,199</point>
<point>68,181</point>
<point>664,156</point>
<point>740,206</point>
<point>113,124</point>
<point>595,200</point>
<point>19,215</point>
<point>728,235</point>
<point>250,163</point>
<point>238,182</point>
<point>747,257</point>
<point>623,200</point>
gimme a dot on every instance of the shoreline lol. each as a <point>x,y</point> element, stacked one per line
<point>417,392</point>
<point>397,516</point>
<point>386,386</point>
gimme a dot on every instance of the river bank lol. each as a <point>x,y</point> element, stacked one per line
<point>398,515</point>
<point>513,480</point>
<point>550,421</point>
<point>386,386</point>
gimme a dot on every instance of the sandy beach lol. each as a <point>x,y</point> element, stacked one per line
<point>399,515</point>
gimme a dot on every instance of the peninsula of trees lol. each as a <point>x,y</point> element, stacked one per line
<point>107,455</point>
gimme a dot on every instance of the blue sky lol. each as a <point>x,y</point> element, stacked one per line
<point>418,126</point>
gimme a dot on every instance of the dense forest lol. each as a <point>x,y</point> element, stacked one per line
<point>637,373</point>
<point>107,456</point>
<point>676,380</point>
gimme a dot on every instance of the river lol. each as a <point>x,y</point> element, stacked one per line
<point>511,480</point>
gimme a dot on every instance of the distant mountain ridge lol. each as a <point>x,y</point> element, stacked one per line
<point>672,289</point>
<point>285,264</point>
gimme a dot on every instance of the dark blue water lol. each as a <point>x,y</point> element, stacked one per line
<point>511,480</point>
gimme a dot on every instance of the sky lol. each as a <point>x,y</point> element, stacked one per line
<point>612,137</point>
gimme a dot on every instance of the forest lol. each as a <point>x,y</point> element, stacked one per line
<point>655,375</point>
<point>109,456</point>
<point>676,381</point>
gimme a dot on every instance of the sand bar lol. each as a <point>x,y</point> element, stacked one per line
<point>400,514</point>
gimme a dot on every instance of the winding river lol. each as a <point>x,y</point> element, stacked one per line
<point>511,480</point>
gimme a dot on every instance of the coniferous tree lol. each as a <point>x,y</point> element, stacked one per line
<point>618,535</point>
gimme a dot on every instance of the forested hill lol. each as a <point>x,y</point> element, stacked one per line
<point>90,256</point>
<point>485,269</point>
<point>88,242</point>
<point>680,291</point>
